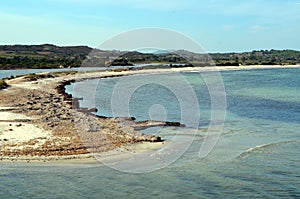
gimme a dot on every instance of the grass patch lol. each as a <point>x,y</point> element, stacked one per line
<point>63,73</point>
<point>35,77</point>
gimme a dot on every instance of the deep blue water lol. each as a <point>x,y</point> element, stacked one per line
<point>257,155</point>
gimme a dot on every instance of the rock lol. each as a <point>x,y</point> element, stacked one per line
<point>155,139</point>
<point>173,124</point>
<point>93,110</point>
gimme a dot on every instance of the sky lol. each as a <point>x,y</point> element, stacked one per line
<point>216,25</point>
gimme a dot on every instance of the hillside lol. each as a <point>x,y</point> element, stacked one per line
<point>51,56</point>
<point>262,57</point>
<point>41,56</point>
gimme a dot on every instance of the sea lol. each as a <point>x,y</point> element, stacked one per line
<point>256,153</point>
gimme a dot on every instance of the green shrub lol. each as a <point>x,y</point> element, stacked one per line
<point>34,77</point>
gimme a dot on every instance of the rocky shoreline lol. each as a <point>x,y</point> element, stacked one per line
<point>71,131</point>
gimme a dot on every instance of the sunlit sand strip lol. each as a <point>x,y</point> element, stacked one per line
<point>19,135</point>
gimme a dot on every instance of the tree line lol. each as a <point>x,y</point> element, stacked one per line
<point>51,56</point>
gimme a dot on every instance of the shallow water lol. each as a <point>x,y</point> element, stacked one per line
<point>257,155</point>
<point>9,73</point>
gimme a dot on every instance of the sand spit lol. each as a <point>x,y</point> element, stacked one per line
<point>38,121</point>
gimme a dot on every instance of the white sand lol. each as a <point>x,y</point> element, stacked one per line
<point>99,74</point>
<point>11,116</point>
<point>127,151</point>
<point>15,134</point>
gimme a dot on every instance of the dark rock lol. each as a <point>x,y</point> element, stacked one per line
<point>101,116</point>
<point>173,124</point>
<point>93,110</point>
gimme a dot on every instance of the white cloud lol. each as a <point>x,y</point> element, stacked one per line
<point>257,28</point>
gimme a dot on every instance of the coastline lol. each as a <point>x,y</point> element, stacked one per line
<point>47,117</point>
<point>37,124</point>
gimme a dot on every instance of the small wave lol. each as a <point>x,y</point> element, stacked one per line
<point>264,146</point>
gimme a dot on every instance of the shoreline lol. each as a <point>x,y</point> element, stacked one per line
<point>53,136</point>
<point>57,138</point>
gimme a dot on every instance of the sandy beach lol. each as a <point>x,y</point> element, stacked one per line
<point>38,122</point>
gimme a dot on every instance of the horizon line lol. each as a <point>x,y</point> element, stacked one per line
<point>85,45</point>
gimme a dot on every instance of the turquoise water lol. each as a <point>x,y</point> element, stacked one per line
<point>257,155</point>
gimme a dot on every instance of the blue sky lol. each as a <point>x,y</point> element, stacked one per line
<point>217,25</point>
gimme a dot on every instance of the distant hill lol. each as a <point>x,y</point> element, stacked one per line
<point>262,57</point>
<point>49,49</point>
<point>41,56</point>
<point>51,56</point>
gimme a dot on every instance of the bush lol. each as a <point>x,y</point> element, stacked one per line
<point>34,77</point>
<point>3,84</point>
